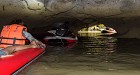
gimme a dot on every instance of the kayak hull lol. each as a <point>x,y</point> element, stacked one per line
<point>15,63</point>
<point>52,37</point>
<point>59,38</point>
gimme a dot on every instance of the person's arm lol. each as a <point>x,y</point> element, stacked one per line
<point>2,52</point>
<point>31,38</point>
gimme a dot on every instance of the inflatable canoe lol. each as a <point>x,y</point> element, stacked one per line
<point>97,29</point>
<point>15,63</point>
<point>52,37</point>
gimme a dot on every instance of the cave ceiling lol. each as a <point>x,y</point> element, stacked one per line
<point>43,13</point>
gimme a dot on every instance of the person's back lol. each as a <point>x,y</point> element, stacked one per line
<point>13,37</point>
<point>62,29</point>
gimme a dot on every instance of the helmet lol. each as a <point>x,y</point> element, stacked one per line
<point>101,25</point>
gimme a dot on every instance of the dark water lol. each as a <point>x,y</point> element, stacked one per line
<point>94,53</point>
<point>115,53</point>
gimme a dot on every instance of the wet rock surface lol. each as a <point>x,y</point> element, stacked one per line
<point>40,15</point>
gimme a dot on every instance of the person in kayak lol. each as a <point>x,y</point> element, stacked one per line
<point>62,29</point>
<point>13,38</point>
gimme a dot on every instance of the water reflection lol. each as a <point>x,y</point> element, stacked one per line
<point>60,43</point>
<point>59,47</point>
<point>91,44</point>
<point>91,54</point>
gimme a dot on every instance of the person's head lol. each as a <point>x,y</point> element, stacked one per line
<point>107,28</point>
<point>66,22</point>
<point>17,21</point>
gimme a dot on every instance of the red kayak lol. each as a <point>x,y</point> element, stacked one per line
<point>15,63</point>
<point>52,37</point>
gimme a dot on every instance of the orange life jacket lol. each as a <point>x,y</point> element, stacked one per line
<point>12,35</point>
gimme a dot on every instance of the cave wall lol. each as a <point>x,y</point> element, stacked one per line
<point>40,15</point>
<point>126,27</point>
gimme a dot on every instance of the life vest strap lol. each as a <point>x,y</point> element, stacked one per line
<point>10,38</point>
<point>10,44</point>
<point>14,40</point>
